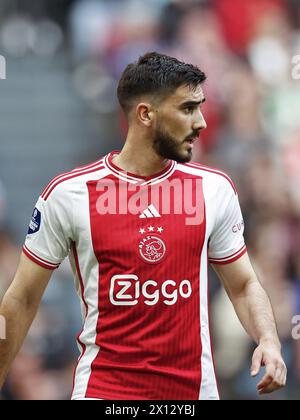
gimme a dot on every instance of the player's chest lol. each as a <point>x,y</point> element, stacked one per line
<point>148,222</point>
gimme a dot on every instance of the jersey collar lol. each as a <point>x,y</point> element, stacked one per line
<point>133,178</point>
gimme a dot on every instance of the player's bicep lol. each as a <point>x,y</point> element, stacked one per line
<point>29,283</point>
<point>236,276</point>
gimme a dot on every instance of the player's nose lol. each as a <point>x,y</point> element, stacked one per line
<point>199,123</point>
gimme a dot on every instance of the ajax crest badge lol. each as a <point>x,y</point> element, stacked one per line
<point>152,249</point>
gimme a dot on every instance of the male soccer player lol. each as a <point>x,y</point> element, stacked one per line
<point>140,227</point>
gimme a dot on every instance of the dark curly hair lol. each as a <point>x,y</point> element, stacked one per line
<point>158,75</point>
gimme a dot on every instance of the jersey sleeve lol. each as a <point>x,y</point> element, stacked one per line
<point>50,230</point>
<point>226,242</point>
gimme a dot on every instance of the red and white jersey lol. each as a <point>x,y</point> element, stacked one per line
<point>139,248</point>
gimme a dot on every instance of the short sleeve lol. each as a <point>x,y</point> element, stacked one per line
<point>226,242</point>
<point>50,231</point>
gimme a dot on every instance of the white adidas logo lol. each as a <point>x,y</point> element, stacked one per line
<point>150,212</point>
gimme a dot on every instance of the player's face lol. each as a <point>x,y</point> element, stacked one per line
<point>179,122</point>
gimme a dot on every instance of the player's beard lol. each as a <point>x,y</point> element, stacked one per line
<point>169,147</point>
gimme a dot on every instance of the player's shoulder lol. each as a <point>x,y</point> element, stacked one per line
<point>65,182</point>
<point>212,175</point>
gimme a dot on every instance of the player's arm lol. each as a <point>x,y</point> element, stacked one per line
<point>19,307</point>
<point>254,310</point>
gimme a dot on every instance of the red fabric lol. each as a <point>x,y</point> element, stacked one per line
<point>147,351</point>
<point>39,261</point>
<point>234,257</point>
<point>238,19</point>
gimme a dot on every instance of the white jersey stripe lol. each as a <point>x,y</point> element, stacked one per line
<point>154,211</point>
<point>148,213</point>
<point>87,337</point>
<point>208,388</point>
<point>89,267</point>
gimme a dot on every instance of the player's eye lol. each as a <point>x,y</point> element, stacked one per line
<point>189,109</point>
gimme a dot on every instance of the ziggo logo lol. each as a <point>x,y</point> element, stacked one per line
<point>126,290</point>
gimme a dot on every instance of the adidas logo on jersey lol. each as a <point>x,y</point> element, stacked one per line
<point>150,212</point>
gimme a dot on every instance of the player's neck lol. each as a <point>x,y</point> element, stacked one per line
<point>140,159</point>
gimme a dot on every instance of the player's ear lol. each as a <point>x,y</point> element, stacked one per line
<point>145,114</point>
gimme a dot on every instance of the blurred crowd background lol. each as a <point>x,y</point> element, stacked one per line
<point>58,109</point>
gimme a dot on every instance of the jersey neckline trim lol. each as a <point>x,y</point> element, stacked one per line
<point>134,178</point>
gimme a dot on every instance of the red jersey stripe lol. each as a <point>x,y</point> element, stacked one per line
<point>39,261</point>
<point>46,195</point>
<point>82,345</point>
<point>79,169</point>
<point>229,259</point>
